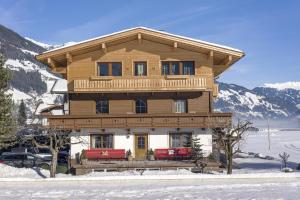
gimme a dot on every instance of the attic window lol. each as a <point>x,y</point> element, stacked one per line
<point>178,68</point>
<point>110,69</point>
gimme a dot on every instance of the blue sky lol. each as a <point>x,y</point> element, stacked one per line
<point>267,30</point>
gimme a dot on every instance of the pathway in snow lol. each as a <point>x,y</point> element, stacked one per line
<point>284,188</point>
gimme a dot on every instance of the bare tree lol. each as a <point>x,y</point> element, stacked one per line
<point>227,139</point>
<point>284,158</point>
<point>55,141</point>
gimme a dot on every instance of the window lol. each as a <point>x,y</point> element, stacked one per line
<point>140,68</point>
<point>141,106</point>
<point>180,106</point>
<point>180,140</point>
<point>102,106</point>
<point>110,69</point>
<point>117,69</point>
<point>141,142</point>
<point>174,68</point>
<point>102,141</point>
<point>104,69</point>
<point>188,68</point>
<point>178,68</point>
<point>165,68</point>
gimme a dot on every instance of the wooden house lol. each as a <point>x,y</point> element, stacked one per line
<point>140,89</point>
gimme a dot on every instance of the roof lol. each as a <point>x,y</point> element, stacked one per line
<point>53,110</point>
<point>149,29</point>
<point>144,31</point>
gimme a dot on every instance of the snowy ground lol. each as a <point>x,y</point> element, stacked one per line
<point>257,142</point>
<point>154,189</point>
<point>257,178</point>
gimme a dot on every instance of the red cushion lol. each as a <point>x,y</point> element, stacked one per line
<point>171,153</point>
<point>93,154</point>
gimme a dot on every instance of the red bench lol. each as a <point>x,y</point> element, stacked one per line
<point>173,153</point>
<point>98,154</point>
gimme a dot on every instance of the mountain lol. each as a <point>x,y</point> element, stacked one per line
<point>33,81</point>
<point>269,101</point>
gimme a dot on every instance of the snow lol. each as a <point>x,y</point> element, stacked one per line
<point>282,86</point>
<point>17,95</point>
<point>44,45</point>
<point>259,177</point>
<point>261,188</point>
<point>57,112</point>
<point>30,52</point>
<point>251,101</point>
<point>281,141</point>
<point>17,64</point>
<point>149,29</point>
<point>60,86</point>
<point>12,172</point>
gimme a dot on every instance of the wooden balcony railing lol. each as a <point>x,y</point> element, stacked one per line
<point>187,120</point>
<point>174,83</point>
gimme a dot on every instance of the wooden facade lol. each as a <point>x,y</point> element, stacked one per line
<point>80,65</point>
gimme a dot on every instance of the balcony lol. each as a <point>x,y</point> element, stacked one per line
<point>141,84</point>
<point>188,120</point>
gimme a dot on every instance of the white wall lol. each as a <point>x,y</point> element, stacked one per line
<point>157,138</point>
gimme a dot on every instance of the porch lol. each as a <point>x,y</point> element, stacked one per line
<point>123,165</point>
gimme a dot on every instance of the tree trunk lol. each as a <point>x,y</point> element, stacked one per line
<point>53,163</point>
<point>229,159</point>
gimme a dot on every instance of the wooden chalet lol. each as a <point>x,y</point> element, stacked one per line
<point>140,89</point>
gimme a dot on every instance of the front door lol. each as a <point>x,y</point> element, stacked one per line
<point>141,146</point>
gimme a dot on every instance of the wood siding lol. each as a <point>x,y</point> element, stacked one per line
<point>160,106</point>
<point>159,103</point>
<point>82,107</point>
<point>84,66</point>
<point>121,107</point>
<point>199,104</point>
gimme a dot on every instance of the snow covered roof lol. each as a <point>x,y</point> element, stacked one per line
<point>59,54</point>
<point>60,87</point>
<point>149,29</point>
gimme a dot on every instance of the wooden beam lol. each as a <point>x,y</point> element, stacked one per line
<point>51,62</point>
<point>69,58</point>
<point>219,66</point>
<point>228,60</point>
<point>175,45</point>
<point>139,38</point>
<point>210,57</point>
<point>103,46</point>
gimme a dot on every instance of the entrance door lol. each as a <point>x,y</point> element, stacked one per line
<point>141,146</point>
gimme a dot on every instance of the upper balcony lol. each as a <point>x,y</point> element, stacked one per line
<point>144,84</point>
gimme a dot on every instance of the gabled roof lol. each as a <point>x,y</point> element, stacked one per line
<point>142,30</point>
<point>148,29</point>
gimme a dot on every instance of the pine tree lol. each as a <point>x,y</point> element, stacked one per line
<point>7,122</point>
<point>197,153</point>
<point>22,114</point>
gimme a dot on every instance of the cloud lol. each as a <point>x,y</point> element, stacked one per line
<point>102,25</point>
<point>173,18</point>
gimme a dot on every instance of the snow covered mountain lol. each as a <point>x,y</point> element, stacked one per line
<point>32,82</point>
<point>273,101</point>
